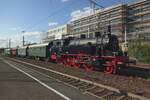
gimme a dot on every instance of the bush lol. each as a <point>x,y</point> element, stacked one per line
<point>140,51</point>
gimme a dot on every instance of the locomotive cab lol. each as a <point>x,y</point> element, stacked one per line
<point>110,57</point>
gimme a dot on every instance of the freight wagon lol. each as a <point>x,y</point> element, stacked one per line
<point>7,51</point>
<point>23,51</point>
<point>14,51</point>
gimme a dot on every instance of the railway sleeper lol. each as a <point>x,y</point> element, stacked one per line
<point>121,97</point>
<point>129,98</point>
<point>85,86</point>
<point>107,94</point>
<point>79,84</point>
<point>58,77</point>
<point>111,98</point>
<point>101,92</point>
<point>97,91</point>
<point>91,88</point>
<point>66,79</point>
<point>117,96</point>
<point>73,81</point>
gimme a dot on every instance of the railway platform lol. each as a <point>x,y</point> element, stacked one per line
<point>18,82</point>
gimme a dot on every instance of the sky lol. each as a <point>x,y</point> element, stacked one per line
<point>35,17</point>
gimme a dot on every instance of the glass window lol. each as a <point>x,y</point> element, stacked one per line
<point>91,35</point>
<point>115,21</point>
<point>147,16</point>
<point>146,27</point>
<point>147,4</point>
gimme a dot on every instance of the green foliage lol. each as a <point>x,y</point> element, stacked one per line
<point>140,51</point>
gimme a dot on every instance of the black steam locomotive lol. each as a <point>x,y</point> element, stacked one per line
<point>100,53</point>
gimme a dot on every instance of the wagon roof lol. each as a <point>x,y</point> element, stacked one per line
<point>23,47</point>
<point>39,45</point>
<point>7,49</point>
<point>14,48</point>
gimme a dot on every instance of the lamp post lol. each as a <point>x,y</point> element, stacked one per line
<point>9,43</point>
<point>23,40</point>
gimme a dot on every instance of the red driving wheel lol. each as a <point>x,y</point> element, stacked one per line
<point>88,67</point>
<point>109,69</point>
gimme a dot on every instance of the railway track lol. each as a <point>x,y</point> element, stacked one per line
<point>102,92</point>
<point>133,71</point>
<point>130,71</point>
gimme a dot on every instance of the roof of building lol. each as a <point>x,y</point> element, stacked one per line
<point>58,27</point>
<point>80,16</point>
<point>136,2</point>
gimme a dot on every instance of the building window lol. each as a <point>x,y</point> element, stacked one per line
<point>134,18</point>
<point>146,28</point>
<point>115,21</point>
<point>147,16</point>
<point>91,35</point>
<point>135,11</point>
<point>147,5</point>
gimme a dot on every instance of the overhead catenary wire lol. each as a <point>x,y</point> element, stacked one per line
<point>93,2</point>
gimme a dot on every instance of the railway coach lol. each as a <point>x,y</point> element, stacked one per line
<point>38,51</point>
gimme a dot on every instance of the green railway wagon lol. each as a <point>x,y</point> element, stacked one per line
<point>39,51</point>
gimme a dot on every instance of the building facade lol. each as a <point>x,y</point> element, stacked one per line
<point>139,20</point>
<point>59,32</point>
<point>133,19</point>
